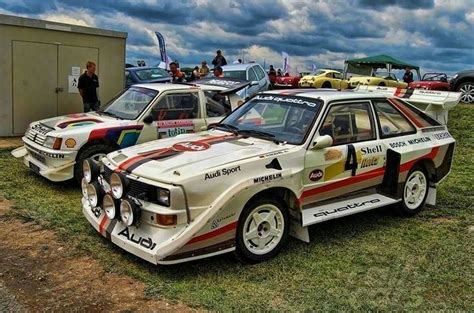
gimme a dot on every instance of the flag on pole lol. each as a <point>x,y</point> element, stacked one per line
<point>313,70</point>
<point>164,56</point>
<point>286,62</point>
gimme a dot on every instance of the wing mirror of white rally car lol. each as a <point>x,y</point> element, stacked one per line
<point>148,119</point>
<point>323,142</point>
<point>253,83</point>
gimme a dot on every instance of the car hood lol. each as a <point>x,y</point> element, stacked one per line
<point>185,156</point>
<point>75,120</point>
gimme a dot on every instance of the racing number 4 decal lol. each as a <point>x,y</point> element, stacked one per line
<point>351,160</point>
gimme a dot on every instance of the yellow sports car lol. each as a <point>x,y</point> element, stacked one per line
<point>324,78</point>
<point>377,79</point>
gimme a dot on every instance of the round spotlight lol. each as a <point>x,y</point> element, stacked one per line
<point>110,206</point>
<point>118,185</point>
<point>90,170</point>
<point>129,212</point>
<point>94,194</point>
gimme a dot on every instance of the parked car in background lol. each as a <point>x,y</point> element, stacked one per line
<point>432,81</point>
<point>252,72</point>
<point>378,79</point>
<point>464,83</point>
<point>324,78</point>
<point>142,75</point>
<point>290,81</point>
<point>274,166</point>
<point>56,147</point>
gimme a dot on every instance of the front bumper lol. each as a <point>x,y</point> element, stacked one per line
<point>52,164</point>
<point>305,84</point>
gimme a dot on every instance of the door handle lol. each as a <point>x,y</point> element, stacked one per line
<point>59,89</point>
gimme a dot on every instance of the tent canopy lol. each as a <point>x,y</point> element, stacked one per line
<point>381,61</point>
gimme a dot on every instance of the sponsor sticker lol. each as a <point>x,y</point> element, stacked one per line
<point>442,136</point>
<point>419,140</point>
<point>347,207</point>
<point>222,172</point>
<point>316,175</point>
<point>267,178</point>
<point>285,99</point>
<point>190,146</point>
<point>332,154</point>
<point>397,144</point>
<point>174,128</point>
<point>218,221</point>
<point>70,143</point>
<point>146,243</point>
<point>370,161</point>
<point>371,150</point>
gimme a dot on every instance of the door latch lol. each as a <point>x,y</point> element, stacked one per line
<point>59,89</point>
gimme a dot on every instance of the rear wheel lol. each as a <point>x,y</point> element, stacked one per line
<point>326,85</point>
<point>415,192</point>
<point>262,230</point>
<point>382,84</point>
<point>467,92</point>
<point>96,152</point>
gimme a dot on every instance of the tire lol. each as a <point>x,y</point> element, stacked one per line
<point>326,85</point>
<point>95,151</point>
<point>467,92</point>
<point>262,230</point>
<point>415,192</point>
<point>382,84</point>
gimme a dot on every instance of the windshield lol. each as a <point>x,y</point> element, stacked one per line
<point>151,74</point>
<point>235,74</point>
<point>274,117</point>
<point>130,103</point>
<point>319,72</point>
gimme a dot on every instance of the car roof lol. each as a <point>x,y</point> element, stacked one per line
<point>326,95</point>
<point>161,87</point>
<point>142,68</point>
<point>237,67</point>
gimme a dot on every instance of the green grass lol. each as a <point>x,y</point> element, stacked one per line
<point>370,261</point>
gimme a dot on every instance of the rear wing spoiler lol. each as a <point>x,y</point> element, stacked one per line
<point>434,103</point>
<point>232,85</point>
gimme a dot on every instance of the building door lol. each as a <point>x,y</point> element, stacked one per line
<point>70,58</point>
<point>34,83</point>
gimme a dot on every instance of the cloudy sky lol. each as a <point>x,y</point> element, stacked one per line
<point>435,34</point>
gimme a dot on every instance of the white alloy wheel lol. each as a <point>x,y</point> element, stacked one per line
<point>263,229</point>
<point>467,92</point>
<point>415,190</point>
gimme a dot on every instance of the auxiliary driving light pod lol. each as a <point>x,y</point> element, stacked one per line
<point>129,212</point>
<point>118,184</point>
<point>90,170</point>
<point>111,207</point>
<point>94,194</point>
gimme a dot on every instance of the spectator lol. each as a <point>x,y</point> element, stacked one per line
<point>87,85</point>
<point>195,74</point>
<point>279,74</point>
<point>219,59</point>
<point>238,61</point>
<point>408,77</point>
<point>204,70</point>
<point>218,72</point>
<point>176,75</point>
<point>271,71</point>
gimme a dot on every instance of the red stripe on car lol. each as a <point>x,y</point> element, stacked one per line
<point>214,233</point>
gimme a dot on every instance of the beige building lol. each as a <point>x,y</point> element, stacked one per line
<point>40,63</point>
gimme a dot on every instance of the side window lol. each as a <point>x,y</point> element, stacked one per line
<point>176,107</point>
<point>348,123</point>
<point>216,104</point>
<point>128,79</point>
<point>252,75</point>
<point>392,122</point>
<point>337,75</point>
<point>259,71</point>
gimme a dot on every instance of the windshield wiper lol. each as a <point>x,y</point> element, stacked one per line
<point>231,128</point>
<point>260,133</point>
<point>109,114</point>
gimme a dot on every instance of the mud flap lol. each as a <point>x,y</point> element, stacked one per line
<point>390,186</point>
<point>299,232</point>
<point>19,152</point>
<point>431,198</point>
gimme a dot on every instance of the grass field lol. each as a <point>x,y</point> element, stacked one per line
<point>370,261</point>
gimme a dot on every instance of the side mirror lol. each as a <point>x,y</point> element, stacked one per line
<point>322,142</point>
<point>253,83</point>
<point>148,119</point>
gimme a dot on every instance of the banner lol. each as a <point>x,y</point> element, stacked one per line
<point>286,62</point>
<point>313,70</point>
<point>161,44</point>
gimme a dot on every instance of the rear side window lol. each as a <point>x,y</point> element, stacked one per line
<point>259,71</point>
<point>392,123</point>
<point>419,118</point>
<point>252,75</point>
<point>216,104</point>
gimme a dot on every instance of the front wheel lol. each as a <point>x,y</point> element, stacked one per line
<point>467,92</point>
<point>262,230</point>
<point>415,192</point>
<point>96,152</point>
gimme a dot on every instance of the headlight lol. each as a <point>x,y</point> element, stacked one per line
<point>94,194</point>
<point>118,185</point>
<point>163,196</point>
<point>53,142</point>
<point>111,207</point>
<point>90,170</point>
<point>129,212</point>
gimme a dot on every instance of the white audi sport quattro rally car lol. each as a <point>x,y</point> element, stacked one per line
<point>56,147</point>
<point>277,164</point>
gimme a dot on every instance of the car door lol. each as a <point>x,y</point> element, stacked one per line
<point>216,106</point>
<point>262,82</point>
<point>351,162</point>
<point>174,113</point>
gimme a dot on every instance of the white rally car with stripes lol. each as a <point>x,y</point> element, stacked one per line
<point>281,162</point>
